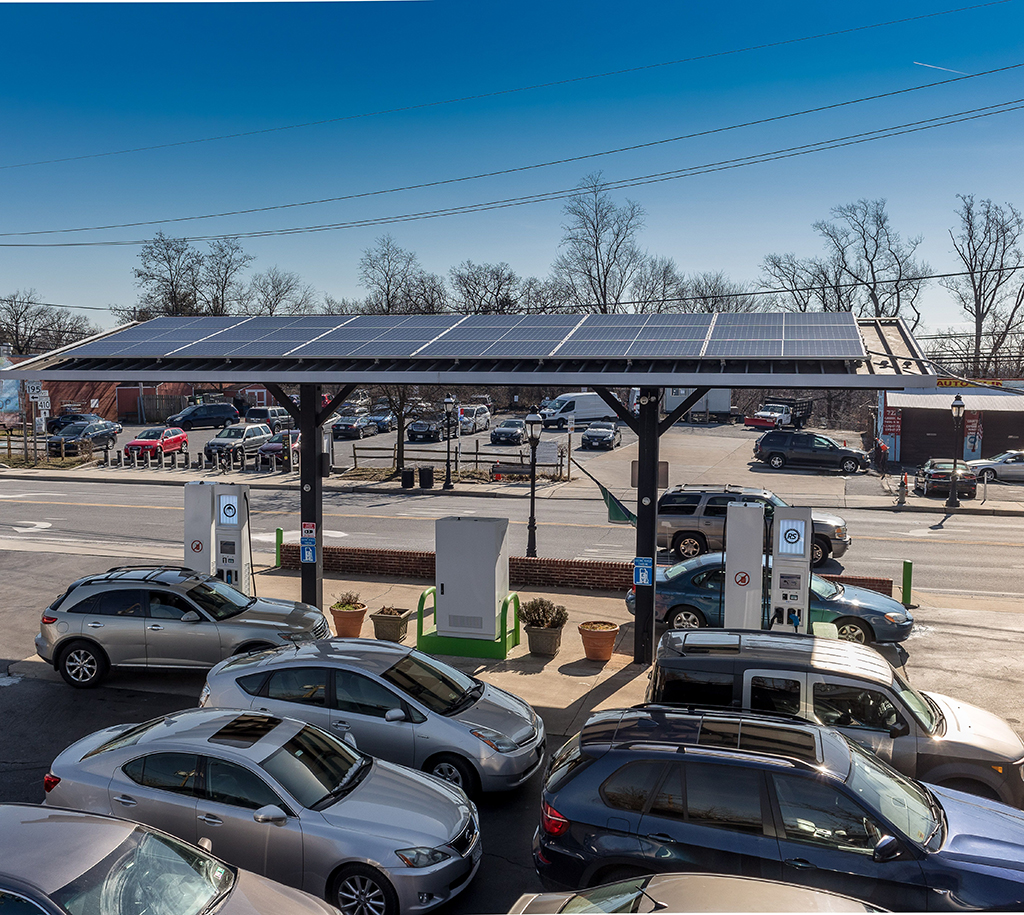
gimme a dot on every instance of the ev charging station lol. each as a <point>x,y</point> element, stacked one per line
<point>744,562</point>
<point>791,568</point>
<point>217,532</point>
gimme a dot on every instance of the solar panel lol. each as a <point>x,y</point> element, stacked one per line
<point>744,349</point>
<point>594,349</point>
<point>524,349</point>
<point>825,349</point>
<point>670,349</point>
<point>749,320</point>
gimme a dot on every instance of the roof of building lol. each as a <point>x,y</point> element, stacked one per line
<point>974,398</point>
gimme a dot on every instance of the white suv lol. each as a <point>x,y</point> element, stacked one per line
<point>474,418</point>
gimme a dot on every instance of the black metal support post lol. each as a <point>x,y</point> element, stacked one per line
<point>646,521</point>
<point>531,527</point>
<point>311,491</point>
<point>448,459</point>
<point>953,499</point>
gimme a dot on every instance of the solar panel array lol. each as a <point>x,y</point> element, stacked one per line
<point>483,337</point>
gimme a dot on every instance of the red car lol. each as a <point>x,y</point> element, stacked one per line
<point>150,441</point>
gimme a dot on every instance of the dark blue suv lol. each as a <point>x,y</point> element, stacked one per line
<point>653,789</point>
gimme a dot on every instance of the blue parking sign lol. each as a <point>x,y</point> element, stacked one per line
<point>643,570</point>
<point>308,553</point>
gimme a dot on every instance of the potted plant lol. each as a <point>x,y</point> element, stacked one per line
<point>348,612</point>
<point>598,639</point>
<point>543,622</point>
<point>390,623</point>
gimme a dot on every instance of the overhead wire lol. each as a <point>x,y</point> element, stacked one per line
<point>521,168</point>
<point>511,91</point>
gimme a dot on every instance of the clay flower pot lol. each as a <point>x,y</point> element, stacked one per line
<point>348,621</point>
<point>598,639</point>
<point>390,626</point>
<point>543,641</point>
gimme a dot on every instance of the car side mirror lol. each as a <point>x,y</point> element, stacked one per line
<point>190,617</point>
<point>394,714</point>
<point>899,729</point>
<point>886,849</point>
<point>271,813</point>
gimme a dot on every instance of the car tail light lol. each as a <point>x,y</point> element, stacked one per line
<point>49,619</point>
<point>551,821</point>
<point>50,782</point>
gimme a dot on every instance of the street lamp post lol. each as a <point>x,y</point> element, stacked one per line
<point>957,408</point>
<point>449,409</point>
<point>533,427</point>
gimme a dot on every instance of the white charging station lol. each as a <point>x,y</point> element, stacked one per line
<point>791,568</point>
<point>744,560</point>
<point>217,532</point>
<point>471,569</point>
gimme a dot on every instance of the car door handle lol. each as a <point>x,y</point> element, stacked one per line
<point>661,837</point>
<point>341,725</point>
<point>126,801</point>
<point>210,819</point>
<point>95,625</point>
<point>156,627</point>
<point>800,863</point>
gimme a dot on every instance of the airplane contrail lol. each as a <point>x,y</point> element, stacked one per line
<point>933,67</point>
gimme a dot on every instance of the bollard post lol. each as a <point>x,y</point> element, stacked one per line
<point>160,459</point>
<point>149,460</point>
<point>106,457</point>
<point>273,463</point>
<point>908,580</point>
<point>135,460</point>
<point>279,540</point>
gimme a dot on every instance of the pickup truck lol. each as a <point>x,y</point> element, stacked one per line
<point>780,412</point>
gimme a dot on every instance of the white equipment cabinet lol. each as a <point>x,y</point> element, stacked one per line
<point>471,570</point>
<point>744,561</point>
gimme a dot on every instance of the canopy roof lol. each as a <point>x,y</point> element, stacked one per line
<point>681,350</point>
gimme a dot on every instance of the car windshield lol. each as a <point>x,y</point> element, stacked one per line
<point>681,568</point>
<point>903,802</point>
<point>824,588</point>
<point>74,429</point>
<point>605,426</point>
<point>557,404</point>
<point>231,432</point>
<point>941,465</point>
<point>316,768</point>
<point>439,687</point>
<point>150,434</point>
<point>1002,456</point>
<point>218,598</point>
<point>277,439</point>
<point>513,424</point>
<point>920,707</point>
<point>143,874</point>
<point>615,897</point>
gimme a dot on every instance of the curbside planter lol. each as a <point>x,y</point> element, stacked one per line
<point>391,627</point>
<point>544,641</point>
<point>598,639</point>
<point>348,621</point>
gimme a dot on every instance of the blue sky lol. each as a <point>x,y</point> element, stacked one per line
<point>88,79</point>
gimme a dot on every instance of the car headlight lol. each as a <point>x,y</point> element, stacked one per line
<point>421,857</point>
<point>204,696</point>
<point>840,533</point>
<point>496,740</point>
<point>296,636</point>
<point>896,617</point>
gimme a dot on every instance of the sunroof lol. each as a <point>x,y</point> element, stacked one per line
<point>245,730</point>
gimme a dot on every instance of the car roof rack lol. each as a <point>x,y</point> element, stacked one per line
<point>690,708</point>
<point>154,570</point>
<point>724,487</point>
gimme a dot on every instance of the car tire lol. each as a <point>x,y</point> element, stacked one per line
<point>776,461</point>
<point>688,545</point>
<point>684,617</point>
<point>225,424</point>
<point>987,475</point>
<point>82,664</point>
<point>970,786</point>
<point>184,448</point>
<point>561,424</point>
<point>820,551</point>
<point>186,426</point>
<point>112,442</point>
<point>359,889</point>
<point>854,630</point>
<point>850,466</point>
<point>453,769</point>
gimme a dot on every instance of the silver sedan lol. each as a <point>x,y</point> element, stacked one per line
<point>1007,466</point>
<point>285,800</point>
<point>398,703</point>
<point>60,861</point>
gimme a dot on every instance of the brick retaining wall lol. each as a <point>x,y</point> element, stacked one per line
<point>522,572</point>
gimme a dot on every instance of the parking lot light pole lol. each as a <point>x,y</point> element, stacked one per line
<point>449,408</point>
<point>957,408</point>
<point>533,427</point>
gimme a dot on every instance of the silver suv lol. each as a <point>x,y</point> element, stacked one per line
<point>691,521</point>
<point>163,616</point>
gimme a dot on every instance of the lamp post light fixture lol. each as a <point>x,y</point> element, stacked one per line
<point>534,423</point>
<point>449,409</point>
<point>957,409</point>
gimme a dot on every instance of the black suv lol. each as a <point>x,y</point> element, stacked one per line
<point>56,423</point>
<point>82,437</point>
<point>808,449</point>
<point>653,789</point>
<point>204,414</point>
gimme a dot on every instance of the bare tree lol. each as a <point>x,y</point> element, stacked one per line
<point>389,273</point>
<point>712,292</point>
<point>169,277</point>
<point>871,255</point>
<point>30,327</point>
<point>657,286</point>
<point>485,288</point>
<point>600,255</point>
<point>280,292</point>
<point>221,289</point>
<point>809,284</point>
<point>991,293</point>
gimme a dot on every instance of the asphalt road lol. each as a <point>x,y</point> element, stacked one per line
<point>97,515</point>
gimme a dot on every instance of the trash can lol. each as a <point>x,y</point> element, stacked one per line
<point>408,478</point>
<point>426,478</point>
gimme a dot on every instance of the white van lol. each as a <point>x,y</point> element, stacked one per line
<point>584,406</point>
